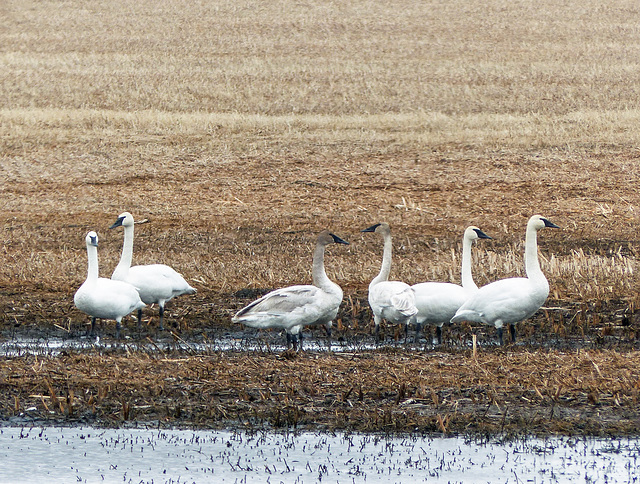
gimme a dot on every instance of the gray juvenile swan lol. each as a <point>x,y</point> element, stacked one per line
<point>437,302</point>
<point>103,298</point>
<point>508,301</point>
<point>394,301</point>
<point>291,308</point>
<point>156,283</point>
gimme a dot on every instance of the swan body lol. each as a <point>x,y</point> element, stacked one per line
<point>508,301</point>
<point>291,308</point>
<point>104,298</point>
<point>156,283</point>
<point>394,301</point>
<point>437,302</point>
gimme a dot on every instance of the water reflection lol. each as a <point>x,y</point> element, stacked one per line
<point>62,455</point>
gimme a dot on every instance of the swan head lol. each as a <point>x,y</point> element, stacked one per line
<point>125,219</point>
<point>91,239</point>
<point>381,228</point>
<point>538,222</point>
<point>474,233</point>
<point>326,238</point>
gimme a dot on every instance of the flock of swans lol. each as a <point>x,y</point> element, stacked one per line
<point>500,303</point>
<point>130,288</point>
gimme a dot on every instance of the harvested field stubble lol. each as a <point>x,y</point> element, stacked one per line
<point>513,393</point>
<point>240,131</point>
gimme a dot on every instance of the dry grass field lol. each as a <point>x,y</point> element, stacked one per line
<point>240,130</point>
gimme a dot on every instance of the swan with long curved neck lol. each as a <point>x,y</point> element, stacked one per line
<point>104,298</point>
<point>394,301</point>
<point>508,301</point>
<point>437,302</point>
<point>291,308</point>
<point>156,283</point>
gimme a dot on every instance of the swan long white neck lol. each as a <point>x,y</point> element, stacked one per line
<point>92,268</point>
<point>467,278</point>
<point>320,278</point>
<point>385,270</point>
<point>532,265</point>
<point>122,270</point>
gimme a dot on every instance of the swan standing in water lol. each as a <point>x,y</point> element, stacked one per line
<point>437,302</point>
<point>508,301</point>
<point>104,298</point>
<point>293,307</point>
<point>394,301</point>
<point>156,283</point>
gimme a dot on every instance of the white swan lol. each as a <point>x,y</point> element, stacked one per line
<point>394,301</point>
<point>511,300</point>
<point>156,283</point>
<point>103,298</point>
<point>293,307</point>
<point>437,302</point>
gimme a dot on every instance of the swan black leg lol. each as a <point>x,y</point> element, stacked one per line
<point>328,330</point>
<point>161,328</point>
<point>139,318</point>
<point>118,326</point>
<point>93,327</point>
<point>512,330</point>
<point>439,334</point>
<point>418,331</point>
<point>500,336</point>
<point>299,341</point>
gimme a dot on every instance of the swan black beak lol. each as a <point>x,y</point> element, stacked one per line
<point>549,224</point>
<point>338,240</point>
<point>372,228</point>
<point>481,234</point>
<point>118,223</point>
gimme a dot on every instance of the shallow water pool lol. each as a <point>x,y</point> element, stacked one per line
<point>65,455</point>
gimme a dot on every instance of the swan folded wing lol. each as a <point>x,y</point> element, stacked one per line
<point>157,281</point>
<point>287,307</point>
<point>505,301</point>
<point>404,302</point>
<point>438,301</point>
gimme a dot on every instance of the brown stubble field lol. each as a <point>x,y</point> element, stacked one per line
<point>239,131</point>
